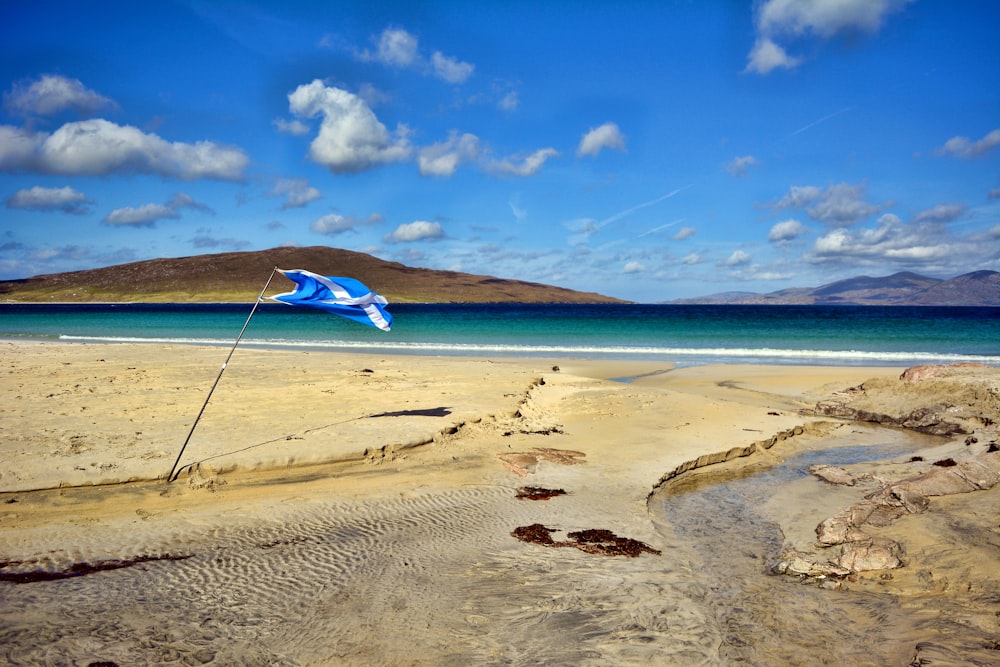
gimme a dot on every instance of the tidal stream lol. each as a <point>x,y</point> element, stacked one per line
<point>730,519</point>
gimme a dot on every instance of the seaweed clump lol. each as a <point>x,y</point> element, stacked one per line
<point>537,493</point>
<point>592,541</point>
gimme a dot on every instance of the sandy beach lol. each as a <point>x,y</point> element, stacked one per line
<point>345,509</point>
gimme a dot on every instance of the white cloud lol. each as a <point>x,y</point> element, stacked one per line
<point>843,205</point>
<point>510,102</point>
<point>838,205</point>
<point>333,224</point>
<point>787,230</point>
<point>295,127</point>
<point>685,233</point>
<point>444,158</point>
<point>52,94</point>
<point>419,230</point>
<point>799,196</point>
<point>450,69</point>
<point>767,56</point>
<point>98,147</point>
<point>738,166</point>
<point>634,267</point>
<point>692,259</point>
<point>940,213</point>
<point>527,166</point>
<point>398,48</point>
<point>926,245</point>
<point>182,200</point>
<point>797,19</point>
<point>64,199</point>
<point>966,148</point>
<point>596,139</point>
<point>143,216</point>
<point>148,214</point>
<point>351,139</point>
<point>515,208</point>
<point>296,191</point>
<point>825,18</point>
<point>18,148</point>
<point>738,258</point>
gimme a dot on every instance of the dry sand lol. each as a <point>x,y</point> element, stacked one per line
<point>358,510</point>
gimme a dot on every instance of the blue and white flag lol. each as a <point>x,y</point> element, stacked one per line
<point>341,296</point>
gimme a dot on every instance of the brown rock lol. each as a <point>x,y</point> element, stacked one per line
<point>873,553</point>
<point>833,474</point>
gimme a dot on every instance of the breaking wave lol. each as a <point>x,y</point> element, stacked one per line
<point>692,355</point>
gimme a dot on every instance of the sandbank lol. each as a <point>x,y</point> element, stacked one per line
<point>358,509</point>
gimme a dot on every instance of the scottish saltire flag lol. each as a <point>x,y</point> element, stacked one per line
<point>341,296</point>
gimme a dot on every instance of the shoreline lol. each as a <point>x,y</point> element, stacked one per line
<point>409,460</point>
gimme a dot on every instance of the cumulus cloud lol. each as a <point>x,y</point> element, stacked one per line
<point>766,56</point>
<point>738,258</point>
<point>597,139</point>
<point>398,48</point>
<point>838,205</point>
<point>395,47</point>
<point>738,166</point>
<point>510,101</point>
<point>799,196</point>
<point>788,230</point>
<point>296,191</point>
<point>920,244</point>
<point>52,94</point>
<point>685,233</point>
<point>419,230</point>
<point>444,158</point>
<point>692,259</point>
<point>450,69</point>
<point>148,215</point>
<point>517,166</point>
<point>789,20</point>
<point>142,216</point>
<point>842,205</point>
<point>351,139</point>
<point>940,213</point>
<point>966,148</point>
<point>334,223</point>
<point>634,267</point>
<point>99,147</point>
<point>65,199</point>
<point>182,200</point>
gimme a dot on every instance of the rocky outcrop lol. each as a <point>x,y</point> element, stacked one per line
<point>943,400</point>
<point>946,400</point>
<point>845,547</point>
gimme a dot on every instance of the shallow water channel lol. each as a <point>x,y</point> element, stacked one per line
<point>729,518</point>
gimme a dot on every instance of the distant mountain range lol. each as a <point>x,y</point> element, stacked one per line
<point>239,277</point>
<point>979,288</point>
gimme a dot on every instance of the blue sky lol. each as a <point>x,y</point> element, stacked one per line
<point>643,150</point>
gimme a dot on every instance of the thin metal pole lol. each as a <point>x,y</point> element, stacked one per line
<point>222,370</point>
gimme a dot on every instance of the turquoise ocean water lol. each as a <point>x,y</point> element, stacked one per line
<point>683,334</point>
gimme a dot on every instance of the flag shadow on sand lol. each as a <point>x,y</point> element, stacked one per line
<point>442,411</point>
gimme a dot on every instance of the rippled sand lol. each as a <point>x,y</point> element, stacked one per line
<point>350,510</point>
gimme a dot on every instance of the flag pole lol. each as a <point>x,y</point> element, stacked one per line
<point>222,370</point>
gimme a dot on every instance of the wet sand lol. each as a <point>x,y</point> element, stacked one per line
<point>359,509</point>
